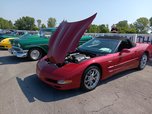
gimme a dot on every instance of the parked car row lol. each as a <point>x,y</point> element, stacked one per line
<point>36,46</point>
<point>6,38</point>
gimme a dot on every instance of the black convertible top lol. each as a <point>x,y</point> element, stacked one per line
<point>112,37</point>
<point>118,38</point>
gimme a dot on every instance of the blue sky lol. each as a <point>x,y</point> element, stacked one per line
<point>108,11</point>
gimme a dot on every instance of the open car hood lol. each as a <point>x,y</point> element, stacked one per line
<point>66,39</point>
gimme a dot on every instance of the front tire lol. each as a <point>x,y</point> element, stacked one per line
<point>143,61</point>
<point>35,54</point>
<point>90,78</point>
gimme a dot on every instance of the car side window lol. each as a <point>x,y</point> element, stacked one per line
<point>125,44</point>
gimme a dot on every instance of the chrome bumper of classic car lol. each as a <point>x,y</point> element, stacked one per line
<point>18,52</point>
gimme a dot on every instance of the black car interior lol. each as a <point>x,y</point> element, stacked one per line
<point>125,44</point>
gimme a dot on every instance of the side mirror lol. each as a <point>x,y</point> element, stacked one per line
<point>124,51</point>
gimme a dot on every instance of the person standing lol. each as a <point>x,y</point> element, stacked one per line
<point>114,29</point>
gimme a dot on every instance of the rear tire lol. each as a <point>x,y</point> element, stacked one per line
<point>143,61</point>
<point>35,54</point>
<point>90,78</point>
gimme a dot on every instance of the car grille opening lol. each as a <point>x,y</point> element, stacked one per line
<point>50,80</point>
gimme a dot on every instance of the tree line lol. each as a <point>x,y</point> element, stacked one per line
<point>26,23</point>
<point>141,25</point>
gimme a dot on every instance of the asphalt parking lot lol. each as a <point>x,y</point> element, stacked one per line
<point>21,92</point>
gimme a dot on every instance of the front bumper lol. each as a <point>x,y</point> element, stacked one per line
<point>51,75</point>
<point>18,52</point>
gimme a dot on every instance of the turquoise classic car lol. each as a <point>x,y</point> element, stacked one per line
<point>35,46</point>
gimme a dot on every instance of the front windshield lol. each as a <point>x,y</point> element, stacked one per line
<point>47,32</point>
<point>100,46</point>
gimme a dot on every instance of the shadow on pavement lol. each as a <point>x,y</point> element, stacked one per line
<point>11,60</point>
<point>119,75</point>
<point>1,49</point>
<point>34,89</point>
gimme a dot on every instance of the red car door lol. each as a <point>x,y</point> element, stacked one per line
<point>112,61</point>
<point>110,65</point>
<point>126,59</point>
<point>127,56</point>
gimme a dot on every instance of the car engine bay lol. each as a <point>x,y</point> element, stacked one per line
<point>75,57</point>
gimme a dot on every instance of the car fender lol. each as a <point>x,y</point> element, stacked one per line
<point>38,46</point>
<point>142,48</point>
<point>149,51</point>
<point>97,61</point>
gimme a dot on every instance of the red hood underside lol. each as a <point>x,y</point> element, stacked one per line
<point>66,39</point>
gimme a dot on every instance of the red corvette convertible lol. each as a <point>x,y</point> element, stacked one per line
<point>68,67</point>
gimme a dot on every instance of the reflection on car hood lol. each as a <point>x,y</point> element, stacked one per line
<point>66,39</point>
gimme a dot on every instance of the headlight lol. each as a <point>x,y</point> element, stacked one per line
<point>64,81</point>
